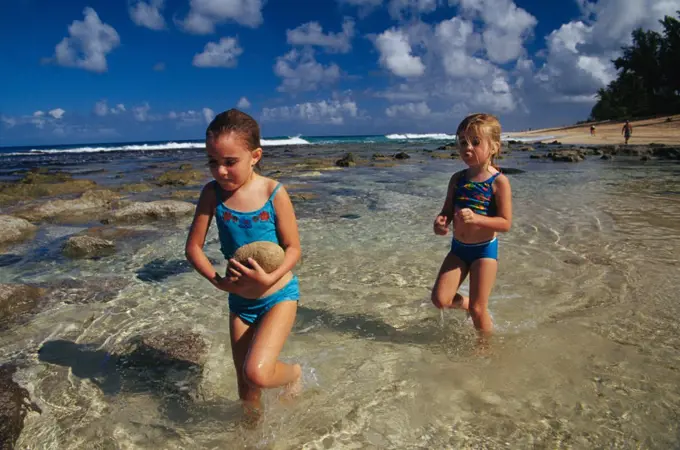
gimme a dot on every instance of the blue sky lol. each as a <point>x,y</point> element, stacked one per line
<point>117,70</point>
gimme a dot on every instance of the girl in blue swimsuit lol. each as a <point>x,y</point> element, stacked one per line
<point>248,207</point>
<point>479,204</point>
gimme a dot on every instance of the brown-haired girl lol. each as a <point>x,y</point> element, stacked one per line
<point>247,208</point>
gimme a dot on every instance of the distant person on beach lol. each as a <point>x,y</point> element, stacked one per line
<point>479,204</point>
<point>592,130</point>
<point>249,207</point>
<point>626,131</point>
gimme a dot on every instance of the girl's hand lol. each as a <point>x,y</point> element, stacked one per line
<point>252,283</point>
<point>467,216</point>
<point>228,283</point>
<point>441,226</point>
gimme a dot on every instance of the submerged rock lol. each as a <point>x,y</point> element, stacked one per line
<point>90,203</point>
<point>346,161</point>
<point>511,170</point>
<point>181,177</point>
<point>156,210</point>
<point>17,300</point>
<point>15,403</point>
<point>173,347</point>
<point>88,247</point>
<point>566,155</point>
<point>13,193</point>
<point>15,229</point>
<point>402,155</point>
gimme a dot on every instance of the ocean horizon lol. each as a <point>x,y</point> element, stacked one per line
<point>293,140</point>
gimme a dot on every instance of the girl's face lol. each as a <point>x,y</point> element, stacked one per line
<point>475,149</point>
<point>231,162</point>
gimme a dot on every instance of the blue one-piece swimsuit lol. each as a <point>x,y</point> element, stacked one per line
<point>238,228</point>
<point>478,196</point>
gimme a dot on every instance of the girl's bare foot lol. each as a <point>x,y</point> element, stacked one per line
<point>460,302</point>
<point>294,388</point>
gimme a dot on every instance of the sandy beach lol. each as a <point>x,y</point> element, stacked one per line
<point>659,130</point>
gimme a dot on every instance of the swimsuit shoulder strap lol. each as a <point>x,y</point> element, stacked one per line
<point>276,189</point>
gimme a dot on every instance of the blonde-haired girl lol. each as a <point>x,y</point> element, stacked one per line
<point>479,203</point>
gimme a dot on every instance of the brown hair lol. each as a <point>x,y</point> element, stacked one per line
<point>235,121</point>
<point>485,125</point>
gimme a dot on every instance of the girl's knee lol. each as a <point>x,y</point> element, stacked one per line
<point>257,375</point>
<point>437,301</point>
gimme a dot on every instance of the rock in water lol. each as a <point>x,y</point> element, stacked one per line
<point>268,255</point>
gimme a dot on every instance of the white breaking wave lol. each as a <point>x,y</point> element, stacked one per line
<point>146,147</point>
<point>506,137</point>
<point>289,141</point>
<point>442,136</point>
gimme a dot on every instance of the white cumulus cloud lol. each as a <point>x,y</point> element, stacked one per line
<point>243,103</point>
<point>204,15</point>
<point>88,43</point>
<point>141,113</point>
<point>148,15</point>
<point>333,112</point>
<point>101,108</point>
<point>57,113</point>
<point>579,53</point>
<point>506,26</point>
<point>311,33</point>
<point>208,115</point>
<point>300,71</point>
<point>396,8</point>
<point>417,110</point>
<point>224,53</point>
<point>395,54</point>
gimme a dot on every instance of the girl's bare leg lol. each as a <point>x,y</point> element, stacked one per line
<point>451,275</point>
<point>262,367</point>
<point>482,278</point>
<point>241,337</point>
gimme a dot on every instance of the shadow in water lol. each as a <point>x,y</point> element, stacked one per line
<point>160,269</point>
<point>9,259</point>
<point>365,326</point>
<point>142,370</point>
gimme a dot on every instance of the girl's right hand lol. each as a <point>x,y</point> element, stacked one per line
<point>441,225</point>
<point>227,284</point>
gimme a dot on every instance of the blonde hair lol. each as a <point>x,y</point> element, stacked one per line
<point>486,126</point>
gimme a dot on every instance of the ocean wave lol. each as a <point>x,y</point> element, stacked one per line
<point>144,147</point>
<point>288,141</point>
<point>432,136</point>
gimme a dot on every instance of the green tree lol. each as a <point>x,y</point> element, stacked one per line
<point>648,82</point>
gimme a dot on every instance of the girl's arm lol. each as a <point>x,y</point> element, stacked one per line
<point>287,230</point>
<point>503,219</point>
<point>447,209</point>
<point>197,233</point>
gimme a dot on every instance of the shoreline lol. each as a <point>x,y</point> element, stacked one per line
<point>659,130</point>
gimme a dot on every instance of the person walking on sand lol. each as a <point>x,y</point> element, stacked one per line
<point>479,204</point>
<point>249,207</point>
<point>592,130</point>
<point>627,130</point>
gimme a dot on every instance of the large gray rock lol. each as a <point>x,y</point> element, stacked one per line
<point>91,202</point>
<point>157,210</point>
<point>88,247</point>
<point>15,229</point>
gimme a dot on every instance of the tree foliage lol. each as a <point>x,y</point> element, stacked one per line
<point>648,82</point>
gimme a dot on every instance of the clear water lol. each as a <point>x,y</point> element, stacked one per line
<point>586,352</point>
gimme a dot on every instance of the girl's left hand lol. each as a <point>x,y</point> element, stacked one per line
<point>254,282</point>
<point>467,216</point>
